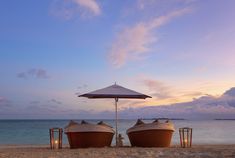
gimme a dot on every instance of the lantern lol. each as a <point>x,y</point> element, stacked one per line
<point>56,138</point>
<point>185,137</point>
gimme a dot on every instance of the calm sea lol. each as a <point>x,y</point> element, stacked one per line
<point>37,131</point>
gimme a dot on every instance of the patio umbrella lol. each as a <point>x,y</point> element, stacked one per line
<point>115,91</point>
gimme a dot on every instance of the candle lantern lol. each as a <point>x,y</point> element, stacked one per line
<point>56,138</point>
<point>185,137</point>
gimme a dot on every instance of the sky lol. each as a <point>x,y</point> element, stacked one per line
<point>52,51</point>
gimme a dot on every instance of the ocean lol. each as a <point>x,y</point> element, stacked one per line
<point>36,132</point>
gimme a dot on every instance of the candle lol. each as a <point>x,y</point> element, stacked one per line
<point>56,144</point>
<point>185,142</point>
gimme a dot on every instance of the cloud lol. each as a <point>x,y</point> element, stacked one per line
<point>22,75</point>
<point>35,102</point>
<point>4,103</point>
<point>192,94</point>
<point>84,86</point>
<point>4,100</point>
<point>141,4</point>
<point>35,73</point>
<point>41,111</point>
<point>205,107</point>
<point>90,5</point>
<point>158,89</point>
<point>130,44</point>
<point>81,88</point>
<point>55,101</point>
<point>134,42</point>
<point>230,92</point>
<point>68,9</point>
<point>164,93</point>
<point>146,5</point>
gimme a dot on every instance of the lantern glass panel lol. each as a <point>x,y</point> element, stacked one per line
<point>185,137</point>
<point>56,138</point>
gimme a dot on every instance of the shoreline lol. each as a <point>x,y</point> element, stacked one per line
<point>42,151</point>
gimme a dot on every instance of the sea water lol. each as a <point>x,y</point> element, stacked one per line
<point>36,132</point>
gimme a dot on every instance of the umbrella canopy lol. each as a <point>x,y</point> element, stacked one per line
<point>115,91</point>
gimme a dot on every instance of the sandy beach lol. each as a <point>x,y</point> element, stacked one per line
<point>197,151</point>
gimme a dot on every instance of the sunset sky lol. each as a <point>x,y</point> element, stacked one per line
<point>51,51</point>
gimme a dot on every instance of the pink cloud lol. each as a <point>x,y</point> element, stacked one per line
<point>164,92</point>
<point>143,4</point>
<point>2,99</point>
<point>134,42</point>
<point>130,44</point>
<point>4,102</point>
<point>68,9</point>
<point>158,89</point>
<point>90,5</point>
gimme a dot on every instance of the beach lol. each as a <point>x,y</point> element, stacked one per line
<point>41,151</point>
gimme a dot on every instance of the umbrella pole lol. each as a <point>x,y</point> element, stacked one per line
<point>116,119</point>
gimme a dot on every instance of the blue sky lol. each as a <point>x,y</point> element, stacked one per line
<point>173,50</point>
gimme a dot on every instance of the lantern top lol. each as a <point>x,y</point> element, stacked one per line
<point>185,128</point>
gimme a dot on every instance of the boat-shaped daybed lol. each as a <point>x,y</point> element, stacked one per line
<point>155,134</point>
<point>86,135</point>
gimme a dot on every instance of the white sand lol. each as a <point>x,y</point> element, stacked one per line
<point>207,151</point>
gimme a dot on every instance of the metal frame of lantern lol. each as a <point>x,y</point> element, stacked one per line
<point>186,137</point>
<point>56,138</point>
